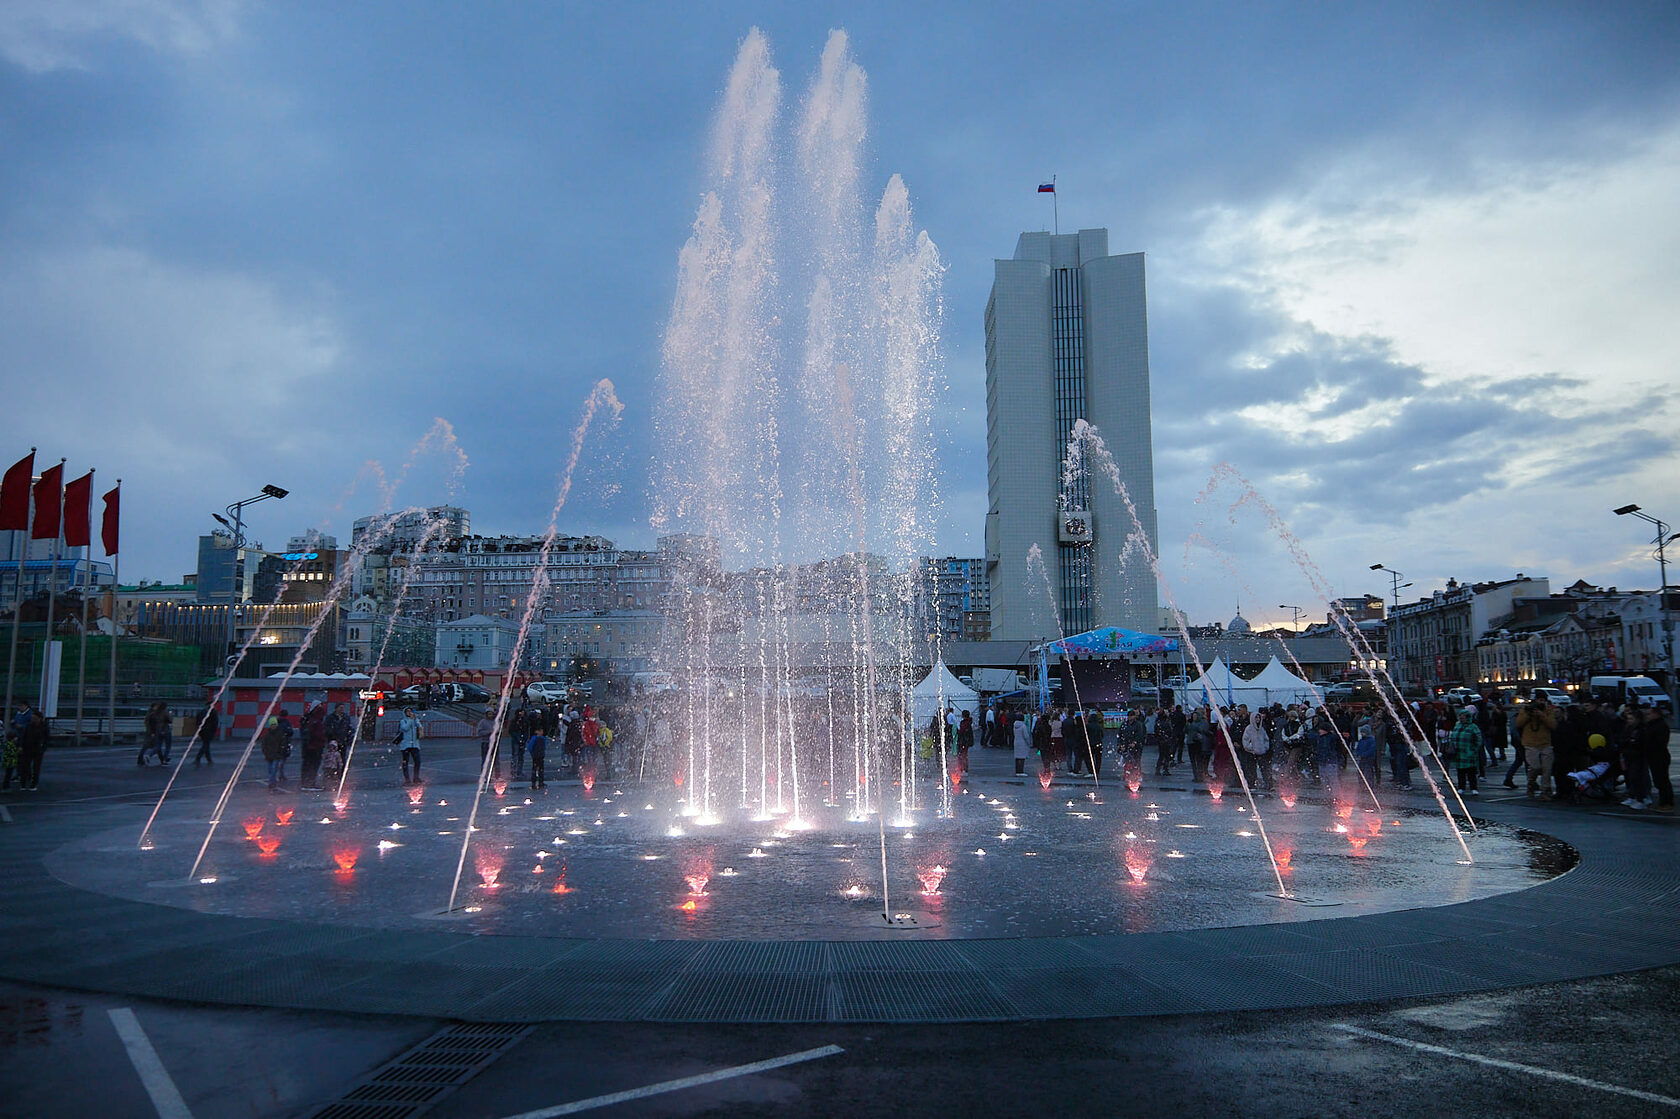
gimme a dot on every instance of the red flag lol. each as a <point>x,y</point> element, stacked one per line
<point>49,501</point>
<point>78,498</point>
<point>14,494</point>
<point>108,527</point>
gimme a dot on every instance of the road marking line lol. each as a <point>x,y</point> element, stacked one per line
<point>1510,1066</point>
<point>678,1085</point>
<point>153,1075</point>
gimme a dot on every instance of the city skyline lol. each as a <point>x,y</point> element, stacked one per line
<point>1425,316</point>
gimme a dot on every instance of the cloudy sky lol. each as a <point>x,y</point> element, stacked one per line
<point>1412,268</point>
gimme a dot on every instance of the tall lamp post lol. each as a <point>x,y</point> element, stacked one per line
<point>237,512</point>
<point>1295,622</point>
<point>1395,660</point>
<point>1662,591</point>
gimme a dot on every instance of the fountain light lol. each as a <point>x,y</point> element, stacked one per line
<point>268,844</point>
<point>346,858</point>
<point>1216,790</point>
<point>855,891</point>
<point>1044,779</point>
<point>1340,829</point>
<point>588,782</point>
<point>623,815</point>
<point>1137,863</point>
<point>1152,816</point>
<point>527,800</point>
<point>647,808</point>
<point>1357,842</point>
<point>416,794</point>
<point>1246,833</point>
<point>207,880</point>
<point>560,886</point>
<point>1134,781</point>
<point>341,806</point>
<point>253,825</point>
<point>652,858</point>
<point>283,816</point>
<point>489,868</point>
<point>500,785</point>
<point>1283,853</point>
<point>980,852</point>
<point>537,869</point>
<point>1187,826</point>
<point>146,844</point>
<point>1175,853</point>
<point>324,820</point>
<point>931,877</point>
<point>1374,825</point>
<point>1344,809</point>
<point>386,845</point>
<point>697,884</point>
<point>799,825</point>
<point>473,909</point>
<point>1288,799</point>
<point>756,853</point>
<point>585,831</point>
<point>1131,835</point>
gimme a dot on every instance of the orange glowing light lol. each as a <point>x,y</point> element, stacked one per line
<point>689,906</point>
<point>268,843</point>
<point>1283,854</point>
<point>1288,800</point>
<point>560,887</point>
<point>284,815</point>
<point>1344,810</point>
<point>1216,790</point>
<point>1134,782</point>
<point>1044,778</point>
<point>1137,863</point>
<point>416,794</point>
<point>346,858</point>
<point>500,785</point>
<point>1374,826</point>
<point>678,778</point>
<point>1357,842</point>
<point>253,826</point>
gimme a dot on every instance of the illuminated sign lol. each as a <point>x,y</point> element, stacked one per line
<point>300,555</point>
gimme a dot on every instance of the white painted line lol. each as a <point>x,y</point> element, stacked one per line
<point>1511,1066</point>
<point>153,1075</point>
<point>678,1085</point>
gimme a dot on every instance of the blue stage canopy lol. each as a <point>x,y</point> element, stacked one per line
<point>1112,641</point>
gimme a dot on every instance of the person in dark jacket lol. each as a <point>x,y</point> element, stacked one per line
<point>274,751</point>
<point>314,742</point>
<point>209,725</point>
<point>32,747</point>
<point>965,742</point>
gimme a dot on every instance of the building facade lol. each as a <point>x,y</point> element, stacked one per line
<point>1067,339</point>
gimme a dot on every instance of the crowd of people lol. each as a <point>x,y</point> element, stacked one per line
<point>1589,751</point>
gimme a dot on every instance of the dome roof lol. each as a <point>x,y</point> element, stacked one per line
<point>1239,624</point>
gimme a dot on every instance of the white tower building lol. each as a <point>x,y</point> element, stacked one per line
<point>1067,338</point>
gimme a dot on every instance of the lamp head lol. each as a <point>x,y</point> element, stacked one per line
<point>274,491</point>
<point>1626,509</point>
<point>1376,567</point>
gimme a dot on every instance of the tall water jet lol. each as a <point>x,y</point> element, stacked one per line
<point>794,438</point>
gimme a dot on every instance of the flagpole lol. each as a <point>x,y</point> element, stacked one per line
<point>1056,205</point>
<point>17,606</point>
<point>52,593</point>
<point>111,691</point>
<point>87,586</point>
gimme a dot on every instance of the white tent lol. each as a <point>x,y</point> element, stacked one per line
<point>1282,685</point>
<point>938,690</point>
<point>1227,688</point>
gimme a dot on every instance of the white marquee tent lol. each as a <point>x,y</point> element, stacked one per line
<point>939,689</point>
<point>1282,685</point>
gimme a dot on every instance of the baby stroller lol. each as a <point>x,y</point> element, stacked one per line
<point>1597,780</point>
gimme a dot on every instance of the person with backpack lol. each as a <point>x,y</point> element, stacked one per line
<point>157,734</point>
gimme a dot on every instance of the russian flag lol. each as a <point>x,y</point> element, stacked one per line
<point>1047,188</point>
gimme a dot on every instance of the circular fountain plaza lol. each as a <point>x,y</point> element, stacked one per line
<point>631,860</point>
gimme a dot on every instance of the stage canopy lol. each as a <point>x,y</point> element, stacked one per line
<point>1112,641</point>
<point>938,690</point>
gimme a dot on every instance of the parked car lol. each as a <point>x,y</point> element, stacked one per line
<point>1458,697</point>
<point>545,691</point>
<point>472,693</point>
<point>1350,691</point>
<point>1557,696</point>
<point>1630,689</point>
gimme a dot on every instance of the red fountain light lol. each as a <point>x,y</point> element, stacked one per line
<point>689,906</point>
<point>589,782</point>
<point>1374,825</point>
<point>284,815</point>
<point>268,843</point>
<point>416,794</point>
<point>931,878</point>
<point>346,858</point>
<point>697,884</point>
<point>1288,799</point>
<point>500,785</point>
<point>1283,855</point>
<point>560,886</point>
<point>1044,776</point>
<point>956,777</point>
<point>253,826</point>
<point>489,869</point>
<point>1216,790</point>
<point>1134,781</point>
<point>1357,842</point>
<point>1344,810</point>
<point>1137,863</point>
<point>678,778</point>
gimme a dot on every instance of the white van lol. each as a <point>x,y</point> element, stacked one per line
<point>1630,689</point>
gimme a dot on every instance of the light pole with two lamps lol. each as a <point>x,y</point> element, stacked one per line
<point>1663,539</point>
<point>235,575</point>
<point>1396,662</point>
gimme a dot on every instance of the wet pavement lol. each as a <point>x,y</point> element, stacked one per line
<point>1497,1051</point>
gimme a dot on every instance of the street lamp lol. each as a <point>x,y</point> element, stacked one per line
<point>1395,660</point>
<point>237,510</point>
<point>1663,539</point>
<point>1295,623</point>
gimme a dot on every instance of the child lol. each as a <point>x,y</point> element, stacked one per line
<point>1465,743</point>
<point>537,747</point>
<point>332,760</point>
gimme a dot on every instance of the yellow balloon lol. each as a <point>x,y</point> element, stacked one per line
<point>1596,741</point>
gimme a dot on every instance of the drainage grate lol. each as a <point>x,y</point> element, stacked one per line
<point>412,1083</point>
